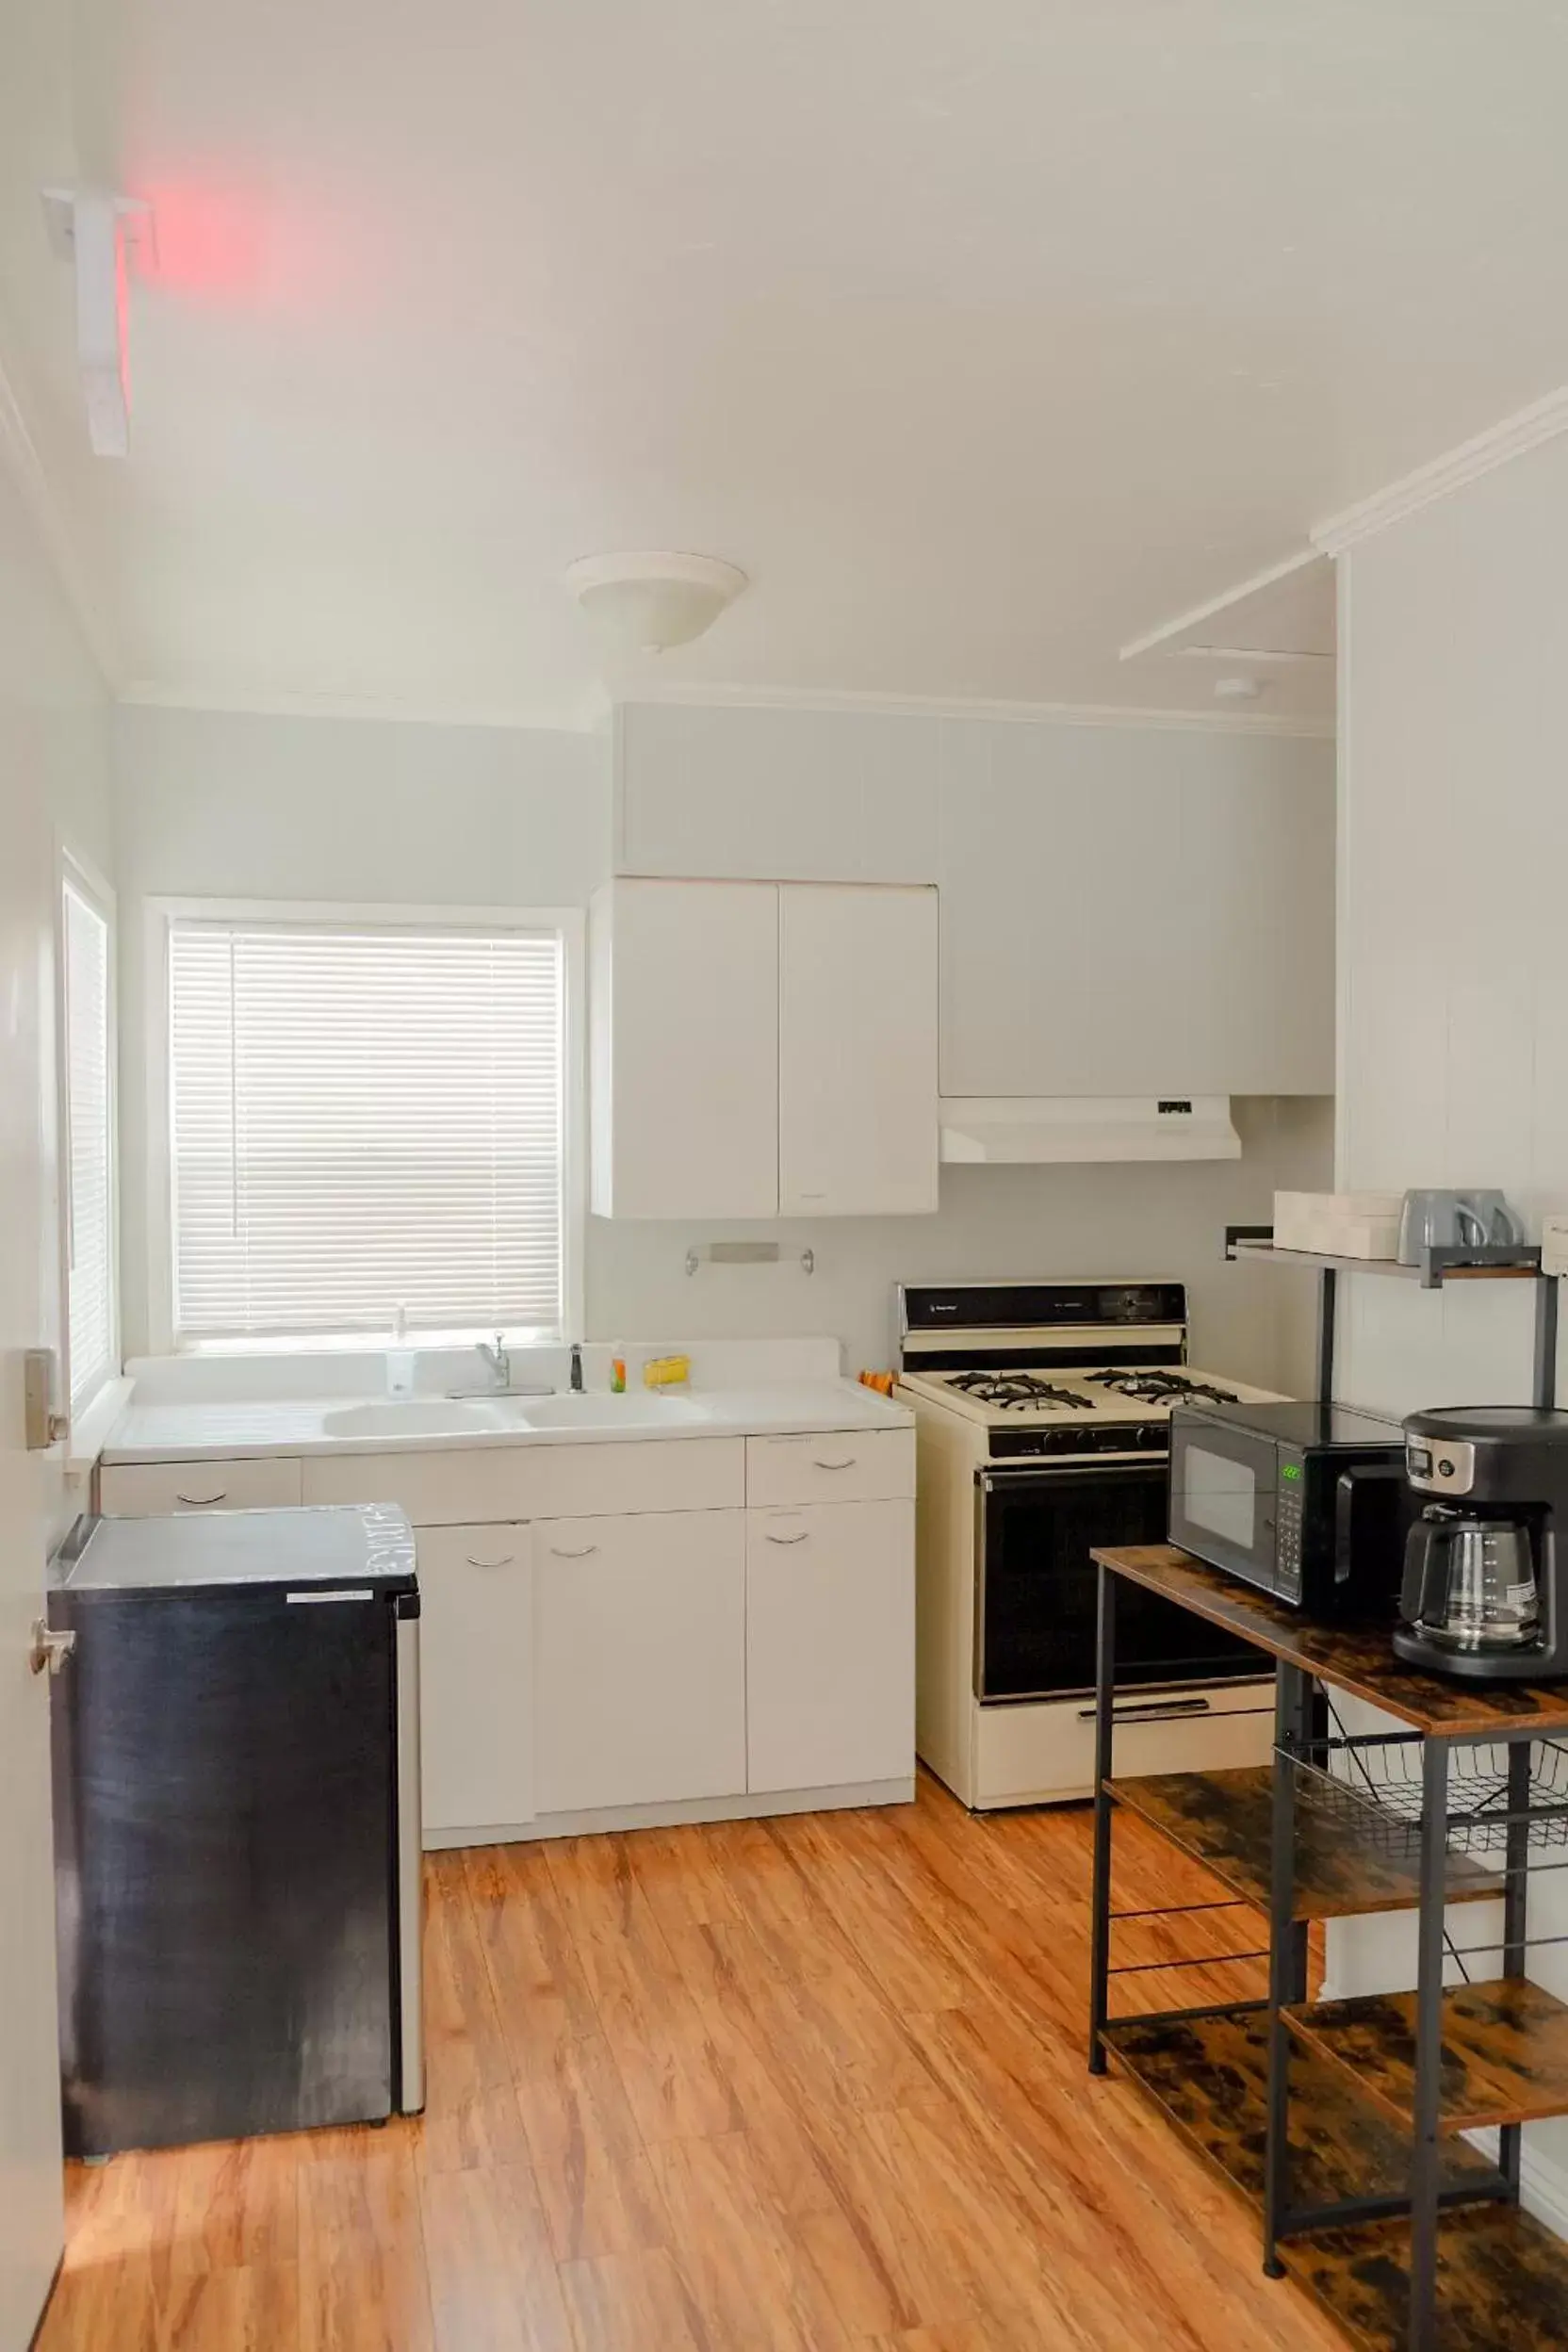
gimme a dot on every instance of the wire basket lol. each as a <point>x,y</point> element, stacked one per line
<point>1372,1787</point>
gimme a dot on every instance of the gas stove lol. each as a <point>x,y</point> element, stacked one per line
<point>1043,1416</point>
<point>1080,1410</point>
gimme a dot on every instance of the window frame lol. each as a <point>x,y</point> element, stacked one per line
<point>567,923</point>
<point>77,873</point>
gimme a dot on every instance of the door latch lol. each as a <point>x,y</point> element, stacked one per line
<point>50,1649</point>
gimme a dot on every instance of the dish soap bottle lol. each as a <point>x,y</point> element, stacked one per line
<point>618,1371</point>
<point>399,1357</point>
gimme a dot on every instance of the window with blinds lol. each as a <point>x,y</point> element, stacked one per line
<point>364,1118</point>
<point>88,1149</point>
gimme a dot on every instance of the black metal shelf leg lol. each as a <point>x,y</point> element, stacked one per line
<point>1287,1949</point>
<point>1104,1721</point>
<point>1426,2153</point>
<point>1515,1922</point>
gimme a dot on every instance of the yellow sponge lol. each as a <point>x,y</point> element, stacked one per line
<point>665,1371</point>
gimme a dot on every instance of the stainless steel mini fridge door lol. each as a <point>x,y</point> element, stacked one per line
<point>226,1779</point>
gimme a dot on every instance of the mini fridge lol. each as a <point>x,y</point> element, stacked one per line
<point>236,1820</point>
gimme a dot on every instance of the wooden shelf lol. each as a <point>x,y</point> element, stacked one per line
<point>1225,1819</point>
<point>1430,1277</point>
<point>1502,2280</point>
<point>1355,1657</point>
<point>1209,2075</point>
<point>1505,2051</point>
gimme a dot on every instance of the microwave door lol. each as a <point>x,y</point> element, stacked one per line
<point>1224,1496</point>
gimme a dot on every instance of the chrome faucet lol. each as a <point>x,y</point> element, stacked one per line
<point>496,1362</point>
<point>577,1367</point>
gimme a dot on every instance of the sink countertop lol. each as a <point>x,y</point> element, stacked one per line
<point>243,1429</point>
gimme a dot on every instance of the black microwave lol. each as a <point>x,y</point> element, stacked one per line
<point>1306,1501</point>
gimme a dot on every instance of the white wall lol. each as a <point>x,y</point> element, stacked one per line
<point>222,804</point>
<point>54,769</point>
<point>1453,982</point>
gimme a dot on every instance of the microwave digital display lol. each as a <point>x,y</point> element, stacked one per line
<point>1221,1495</point>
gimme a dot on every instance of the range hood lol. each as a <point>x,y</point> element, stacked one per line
<point>1044,1128</point>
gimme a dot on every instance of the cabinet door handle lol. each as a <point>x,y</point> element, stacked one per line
<point>845,1462</point>
<point>557,1552</point>
<point>200,1502</point>
<point>505,1561</point>
<point>801,1538</point>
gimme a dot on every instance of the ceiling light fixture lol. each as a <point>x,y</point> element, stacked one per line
<point>647,603</point>
<point>97,231</point>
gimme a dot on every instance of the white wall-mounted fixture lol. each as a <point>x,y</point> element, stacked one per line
<point>1039,1129</point>
<point>645,603</point>
<point>97,231</point>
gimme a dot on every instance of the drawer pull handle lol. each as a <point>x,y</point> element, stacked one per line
<point>505,1561</point>
<point>200,1502</point>
<point>557,1552</point>
<point>1152,1711</point>
<point>845,1462</point>
<point>801,1538</point>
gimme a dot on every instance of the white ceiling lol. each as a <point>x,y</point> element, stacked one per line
<point>985,336</point>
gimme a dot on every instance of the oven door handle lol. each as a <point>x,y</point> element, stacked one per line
<point>1152,1711</point>
<point>1056,1473</point>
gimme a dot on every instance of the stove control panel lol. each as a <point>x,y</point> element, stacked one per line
<point>1075,1441</point>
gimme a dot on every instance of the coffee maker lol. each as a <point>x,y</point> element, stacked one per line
<point>1485,1592</point>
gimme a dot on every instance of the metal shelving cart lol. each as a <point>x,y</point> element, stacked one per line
<point>1344,2123</point>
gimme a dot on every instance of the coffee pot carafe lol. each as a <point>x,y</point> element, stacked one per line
<point>1482,1594</point>
<point>1470,1582</point>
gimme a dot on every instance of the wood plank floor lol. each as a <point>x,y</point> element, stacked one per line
<point>807,2085</point>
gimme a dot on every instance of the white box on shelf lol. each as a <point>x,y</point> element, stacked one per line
<point>1554,1245</point>
<point>1338,1224</point>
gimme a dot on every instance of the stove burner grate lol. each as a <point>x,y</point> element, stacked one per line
<point>1012,1391</point>
<point>1161,1388</point>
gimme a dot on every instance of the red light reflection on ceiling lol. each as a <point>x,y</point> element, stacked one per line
<point>225,245</point>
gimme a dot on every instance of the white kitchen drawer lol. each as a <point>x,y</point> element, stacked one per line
<point>144,1490</point>
<point>848,1466</point>
<point>662,1474</point>
<point>1034,1754</point>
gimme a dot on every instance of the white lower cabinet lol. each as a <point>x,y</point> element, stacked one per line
<point>830,1645</point>
<point>476,1665</point>
<point>640,1659</point>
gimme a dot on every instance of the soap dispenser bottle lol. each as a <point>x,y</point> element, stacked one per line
<point>399,1357</point>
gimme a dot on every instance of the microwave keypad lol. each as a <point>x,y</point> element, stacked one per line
<point>1287,1546</point>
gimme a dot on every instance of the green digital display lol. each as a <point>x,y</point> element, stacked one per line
<point>1290,1470</point>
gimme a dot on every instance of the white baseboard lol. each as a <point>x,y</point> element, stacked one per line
<point>737,1809</point>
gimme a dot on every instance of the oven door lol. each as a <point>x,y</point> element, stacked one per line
<point>1036,1587</point>
<point>1224,1496</point>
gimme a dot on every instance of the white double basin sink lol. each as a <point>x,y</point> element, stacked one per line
<point>462,1416</point>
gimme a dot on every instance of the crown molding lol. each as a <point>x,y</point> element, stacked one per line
<point>1154,640</point>
<point>582,717</point>
<point>1514,436</point>
<point>19,455</point>
<point>849,699</point>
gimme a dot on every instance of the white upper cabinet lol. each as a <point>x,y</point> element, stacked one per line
<point>777,795</point>
<point>684,1019</point>
<point>1138,912</point>
<point>761,1050</point>
<point>856,1052</point>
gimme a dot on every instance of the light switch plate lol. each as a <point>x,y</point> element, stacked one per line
<point>42,1426</point>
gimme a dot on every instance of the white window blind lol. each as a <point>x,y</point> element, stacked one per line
<point>365,1118</point>
<point>88,1150</point>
